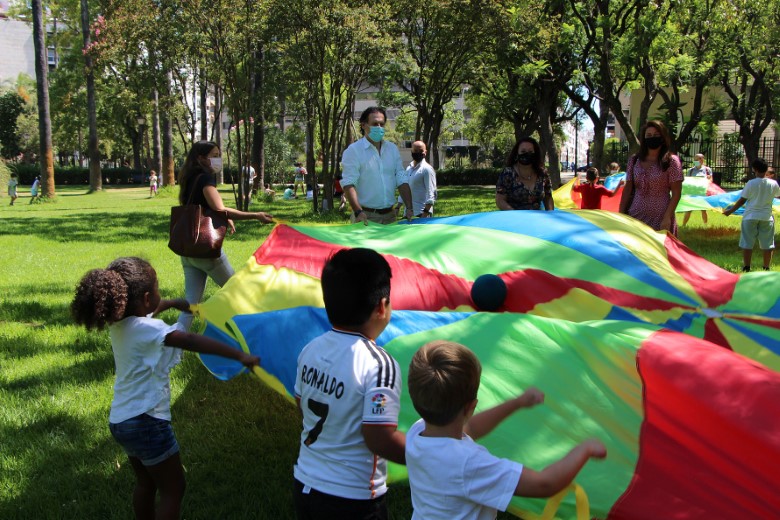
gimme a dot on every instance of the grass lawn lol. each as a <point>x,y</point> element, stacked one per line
<point>239,440</point>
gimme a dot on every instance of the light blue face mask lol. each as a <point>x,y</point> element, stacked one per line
<point>376,133</point>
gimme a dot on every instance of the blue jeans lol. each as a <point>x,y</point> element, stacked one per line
<point>196,272</point>
<point>146,438</point>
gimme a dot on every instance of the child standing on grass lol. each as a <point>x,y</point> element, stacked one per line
<point>592,191</point>
<point>13,182</point>
<point>450,475</point>
<point>124,296</point>
<point>348,389</point>
<point>36,187</point>
<point>152,183</point>
<point>757,221</point>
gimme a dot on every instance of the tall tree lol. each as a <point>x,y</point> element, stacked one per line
<point>437,43</point>
<point>93,151</point>
<point>46,156</point>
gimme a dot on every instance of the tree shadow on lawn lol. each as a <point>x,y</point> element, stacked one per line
<point>101,227</point>
<point>21,304</point>
<point>64,471</point>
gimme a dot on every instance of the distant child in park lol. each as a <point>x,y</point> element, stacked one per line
<point>152,183</point>
<point>614,168</point>
<point>35,189</point>
<point>757,221</point>
<point>13,182</point>
<point>348,389</point>
<point>124,296</point>
<point>450,475</point>
<point>289,194</point>
<point>592,191</point>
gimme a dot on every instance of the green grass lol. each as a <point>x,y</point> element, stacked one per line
<point>239,440</point>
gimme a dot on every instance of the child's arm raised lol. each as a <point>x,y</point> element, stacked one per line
<point>204,345</point>
<point>484,422</point>
<point>558,475</point>
<point>385,441</point>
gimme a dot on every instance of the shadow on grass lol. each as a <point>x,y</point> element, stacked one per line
<point>29,304</point>
<point>104,227</point>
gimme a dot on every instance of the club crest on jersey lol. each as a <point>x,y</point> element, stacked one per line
<point>378,403</point>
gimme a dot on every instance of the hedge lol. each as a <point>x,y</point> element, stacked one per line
<point>80,176</point>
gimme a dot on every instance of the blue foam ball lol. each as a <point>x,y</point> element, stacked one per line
<point>488,292</point>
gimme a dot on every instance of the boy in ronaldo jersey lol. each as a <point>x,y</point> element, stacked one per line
<point>450,475</point>
<point>348,389</point>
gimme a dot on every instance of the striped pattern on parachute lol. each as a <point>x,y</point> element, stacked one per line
<point>634,339</point>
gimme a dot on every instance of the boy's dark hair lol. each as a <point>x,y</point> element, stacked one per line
<point>592,174</point>
<point>105,296</point>
<point>290,187</point>
<point>760,165</point>
<point>367,112</point>
<point>443,379</point>
<point>354,281</point>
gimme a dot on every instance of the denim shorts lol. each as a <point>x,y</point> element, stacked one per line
<point>146,438</point>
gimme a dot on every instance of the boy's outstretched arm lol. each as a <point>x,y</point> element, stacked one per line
<point>485,422</point>
<point>204,345</point>
<point>558,475</point>
<point>385,441</point>
<point>735,207</point>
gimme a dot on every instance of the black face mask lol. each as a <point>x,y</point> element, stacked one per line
<point>418,156</point>
<point>654,143</point>
<point>526,158</point>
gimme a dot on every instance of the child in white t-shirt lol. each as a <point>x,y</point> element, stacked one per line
<point>758,223</point>
<point>124,296</point>
<point>152,183</point>
<point>13,182</point>
<point>348,389</point>
<point>451,476</point>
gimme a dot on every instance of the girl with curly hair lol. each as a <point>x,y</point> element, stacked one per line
<point>124,296</point>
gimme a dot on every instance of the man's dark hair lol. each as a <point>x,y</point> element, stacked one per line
<point>354,281</point>
<point>760,165</point>
<point>367,112</point>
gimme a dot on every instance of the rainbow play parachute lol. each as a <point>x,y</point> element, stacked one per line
<point>668,359</point>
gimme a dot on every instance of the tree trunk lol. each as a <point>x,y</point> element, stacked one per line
<point>95,176</point>
<point>156,152</point>
<point>46,159</point>
<point>168,173</point>
<point>258,142</point>
<point>218,127</point>
<point>204,113</point>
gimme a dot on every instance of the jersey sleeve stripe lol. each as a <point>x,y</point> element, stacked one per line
<point>378,360</point>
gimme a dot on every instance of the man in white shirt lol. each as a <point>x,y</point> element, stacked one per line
<point>372,170</point>
<point>422,181</point>
<point>250,175</point>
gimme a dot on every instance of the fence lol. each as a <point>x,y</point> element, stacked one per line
<point>726,157</point>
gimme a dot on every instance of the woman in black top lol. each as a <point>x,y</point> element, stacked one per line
<point>198,185</point>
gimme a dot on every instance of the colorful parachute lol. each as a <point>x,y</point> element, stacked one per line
<point>628,333</point>
<point>698,194</point>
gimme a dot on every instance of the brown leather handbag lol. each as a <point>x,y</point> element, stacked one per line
<point>197,232</point>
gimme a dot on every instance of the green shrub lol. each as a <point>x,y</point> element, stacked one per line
<point>467,176</point>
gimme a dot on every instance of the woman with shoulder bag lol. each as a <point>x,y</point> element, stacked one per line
<point>198,185</point>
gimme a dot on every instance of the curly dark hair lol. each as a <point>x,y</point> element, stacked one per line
<point>105,296</point>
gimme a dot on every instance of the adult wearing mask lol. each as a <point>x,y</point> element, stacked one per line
<point>698,170</point>
<point>422,181</point>
<point>524,183</point>
<point>653,180</point>
<point>372,170</point>
<point>198,185</point>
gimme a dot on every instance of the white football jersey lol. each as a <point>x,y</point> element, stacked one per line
<point>344,380</point>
